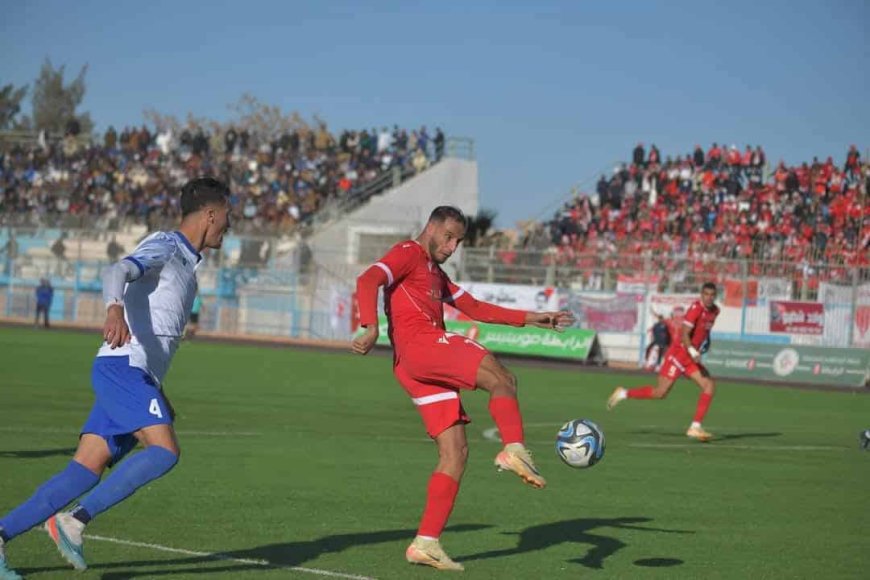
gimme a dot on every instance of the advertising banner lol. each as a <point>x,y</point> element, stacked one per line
<point>574,343</point>
<point>797,317</point>
<point>603,313</point>
<point>793,363</point>
<point>517,296</point>
<point>636,283</point>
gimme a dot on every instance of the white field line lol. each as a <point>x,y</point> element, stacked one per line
<point>492,435</point>
<point>226,558</point>
<point>182,433</point>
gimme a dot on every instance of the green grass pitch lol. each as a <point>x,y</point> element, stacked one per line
<point>318,462</point>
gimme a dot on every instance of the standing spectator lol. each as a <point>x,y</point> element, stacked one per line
<point>58,249</point>
<point>193,324</point>
<point>44,296</point>
<point>423,140</point>
<point>759,159</point>
<point>230,139</point>
<point>419,162</point>
<point>111,138</point>
<point>439,144</point>
<point>853,163</point>
<point>714,156</point>
<point>114,250</point>
<point>661,339</point>
<point>655,157</point>
<point>11,251</point>
<point>698,157</point>
<point>638,155</point>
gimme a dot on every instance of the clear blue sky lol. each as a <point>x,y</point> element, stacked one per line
<point>552,93</point>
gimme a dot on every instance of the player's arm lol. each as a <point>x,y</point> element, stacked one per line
<point>494,314</point>
<point>367,286</point>
<point>115,279</point>
<point>151,253</point>
<point>390,269</point>
<point>692,318</point>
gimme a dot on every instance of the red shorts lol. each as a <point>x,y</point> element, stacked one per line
<point>679,363</point>
<point>432,369</point>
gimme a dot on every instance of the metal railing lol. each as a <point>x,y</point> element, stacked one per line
<point>601,272</point>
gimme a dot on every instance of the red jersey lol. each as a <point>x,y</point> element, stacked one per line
<point>675,330</point>
<point>701,321</point>
<point>415,292</point>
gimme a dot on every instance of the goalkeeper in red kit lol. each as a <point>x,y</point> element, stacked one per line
<point>434,365</point>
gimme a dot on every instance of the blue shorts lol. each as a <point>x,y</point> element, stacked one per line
<point>127,400</point>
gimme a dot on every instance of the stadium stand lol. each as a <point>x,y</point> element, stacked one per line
<point>278,183</point>
<point>716,204</point>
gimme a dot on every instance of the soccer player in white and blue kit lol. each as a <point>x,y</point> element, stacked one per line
<point>148,297</point>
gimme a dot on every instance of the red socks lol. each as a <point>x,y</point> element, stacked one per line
<point>640,393</point>
<point>703,404</point>
<point>505,412</point>
<point>440,498</point>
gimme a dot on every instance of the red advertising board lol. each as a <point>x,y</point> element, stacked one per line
<point>797,317</point>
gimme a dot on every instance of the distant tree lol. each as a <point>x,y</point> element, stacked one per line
<point>478,226</point>
<point>55,104</point>
<point>262,119</point>
<point>10,105</point>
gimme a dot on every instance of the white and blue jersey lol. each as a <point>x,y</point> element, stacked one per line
<point>157,304</point>
<point>126,380</point>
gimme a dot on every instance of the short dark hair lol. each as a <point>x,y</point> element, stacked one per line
<point>200,192</point>
<point>444,212</point>
<point>708,286</point>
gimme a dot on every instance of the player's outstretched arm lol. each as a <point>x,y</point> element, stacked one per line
<point>367,298</point>
<point>557,321</point>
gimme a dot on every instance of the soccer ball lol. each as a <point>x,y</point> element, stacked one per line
<point>580,443</point>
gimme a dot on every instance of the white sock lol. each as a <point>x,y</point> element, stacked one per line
<point>696,425</point>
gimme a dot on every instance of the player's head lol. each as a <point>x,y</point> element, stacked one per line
<point>708,294</point>
<point>205,203</point>
<point>678,312</point>
<point>444,231</point>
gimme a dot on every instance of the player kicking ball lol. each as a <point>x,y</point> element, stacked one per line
<point>434,365</point>
<point>683,358</point>
<point>148,299</point>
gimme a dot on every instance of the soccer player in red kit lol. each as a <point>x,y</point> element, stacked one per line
<point>684,359</point>
<point>434,365</point>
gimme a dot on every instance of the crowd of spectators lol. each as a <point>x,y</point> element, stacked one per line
<point>717,204</point>
<point>134,176</point>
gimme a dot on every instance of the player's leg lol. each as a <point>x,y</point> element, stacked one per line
<point>670,371</point>
<point>159,456</point>
<point>156,460</point>
<point>80,475</point>
<point>440,497</point>
<point>501,384</point>
<point>703,379</point>
<point>135,410</point>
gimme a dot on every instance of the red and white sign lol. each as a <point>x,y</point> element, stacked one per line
<point>797,317</point>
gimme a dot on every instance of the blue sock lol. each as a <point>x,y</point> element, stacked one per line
<point>50,498</point>
<point>130,475</point>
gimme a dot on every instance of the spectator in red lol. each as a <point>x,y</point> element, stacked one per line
<point>714,156</point>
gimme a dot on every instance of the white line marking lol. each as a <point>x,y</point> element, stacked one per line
<point>492,435</point>
<point>52,430</point>
<point>714,445</point>
<point>226,558</point>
